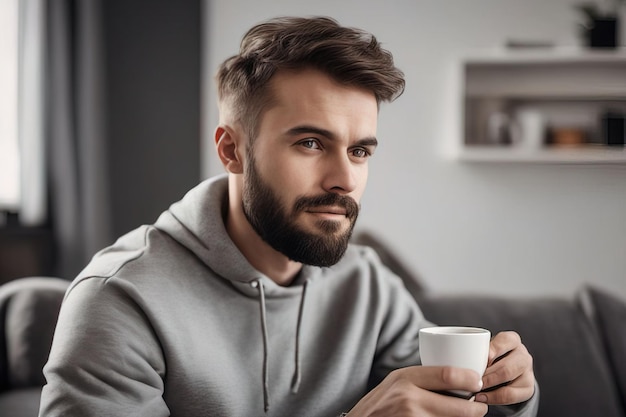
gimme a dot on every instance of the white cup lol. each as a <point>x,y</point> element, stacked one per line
<point>459,347</point>
<point>531,124</point>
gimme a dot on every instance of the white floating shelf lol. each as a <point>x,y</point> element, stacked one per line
<point>574,155</point>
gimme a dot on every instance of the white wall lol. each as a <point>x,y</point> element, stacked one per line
<point>472,228</point>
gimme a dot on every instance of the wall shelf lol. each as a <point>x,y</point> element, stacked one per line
<point>570,88</point>
<point>583,155</point>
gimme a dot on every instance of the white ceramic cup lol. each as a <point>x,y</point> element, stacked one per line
<point>531,124</point>
<point>460,347</point>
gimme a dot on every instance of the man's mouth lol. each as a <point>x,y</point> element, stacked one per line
<point>328,205</point>
<point>337,211</point>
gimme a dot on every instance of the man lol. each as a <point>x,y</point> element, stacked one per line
<point>244,298</point>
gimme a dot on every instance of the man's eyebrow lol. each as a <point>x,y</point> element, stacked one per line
<point>299,130</point>
<point>370,141</point>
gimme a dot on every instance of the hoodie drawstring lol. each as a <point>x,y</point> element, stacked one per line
<point>295,384</point>
<point>297,377</point>
<point>266,395</point>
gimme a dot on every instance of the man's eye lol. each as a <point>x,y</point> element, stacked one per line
<point>360,153</point>
<point>310,144</point>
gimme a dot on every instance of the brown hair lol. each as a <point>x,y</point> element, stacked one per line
<point>350,56</point>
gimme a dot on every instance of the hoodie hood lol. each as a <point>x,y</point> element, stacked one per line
<point>197,223</point>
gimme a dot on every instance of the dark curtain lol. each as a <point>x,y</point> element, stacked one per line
<point>80,212</point>
<point>153,80</point>
<point>124,89</point>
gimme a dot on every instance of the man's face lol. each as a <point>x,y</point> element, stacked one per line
<point>307,169</point>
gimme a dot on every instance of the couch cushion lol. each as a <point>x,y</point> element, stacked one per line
<point>609,313</point>
<point>20,402</point>
<point>29,307</point>
<point>569,364</point>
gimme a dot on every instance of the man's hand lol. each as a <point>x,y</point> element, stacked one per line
<point>509,378</point>
<point>412,392</point>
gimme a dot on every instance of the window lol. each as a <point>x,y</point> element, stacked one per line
<point>22,159</point>
<point>9,148</point>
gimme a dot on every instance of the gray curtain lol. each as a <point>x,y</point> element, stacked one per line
<point>76,136</point>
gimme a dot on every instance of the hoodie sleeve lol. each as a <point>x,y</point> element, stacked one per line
<point>105,358</point>
<point>526,409</point>
<point>398,344</point>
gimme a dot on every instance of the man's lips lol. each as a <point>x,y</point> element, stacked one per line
<point>339,211</point>
<point>328,205</point>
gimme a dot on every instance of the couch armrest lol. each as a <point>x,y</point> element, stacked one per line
<point>609,314</point>
<point>29,308</point>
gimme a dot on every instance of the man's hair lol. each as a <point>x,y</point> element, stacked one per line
<point>350,56</point>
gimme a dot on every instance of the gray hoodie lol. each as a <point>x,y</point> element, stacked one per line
<point>173,320</point>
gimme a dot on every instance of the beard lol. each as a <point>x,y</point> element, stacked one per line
<point>277,225</point>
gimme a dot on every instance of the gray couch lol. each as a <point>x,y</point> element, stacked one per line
<point>579,345</point>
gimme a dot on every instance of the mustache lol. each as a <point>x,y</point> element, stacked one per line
<point>347,203</point>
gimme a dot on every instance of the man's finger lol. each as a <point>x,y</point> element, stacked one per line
<point>502,344</point>
<point>443,378</point>
<point>511,393</point>
<point>510,368</point>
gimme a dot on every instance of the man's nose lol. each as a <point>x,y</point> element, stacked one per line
<point>340,175</point>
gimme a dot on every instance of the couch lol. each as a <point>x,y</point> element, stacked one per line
<point>578,344</point>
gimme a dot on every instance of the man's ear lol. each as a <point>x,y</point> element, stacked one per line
<point>228,149</point>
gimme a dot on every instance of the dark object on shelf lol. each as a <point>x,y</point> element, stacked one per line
<point>614,128</point>
<point>603,33</point>
<point>601,27</point>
